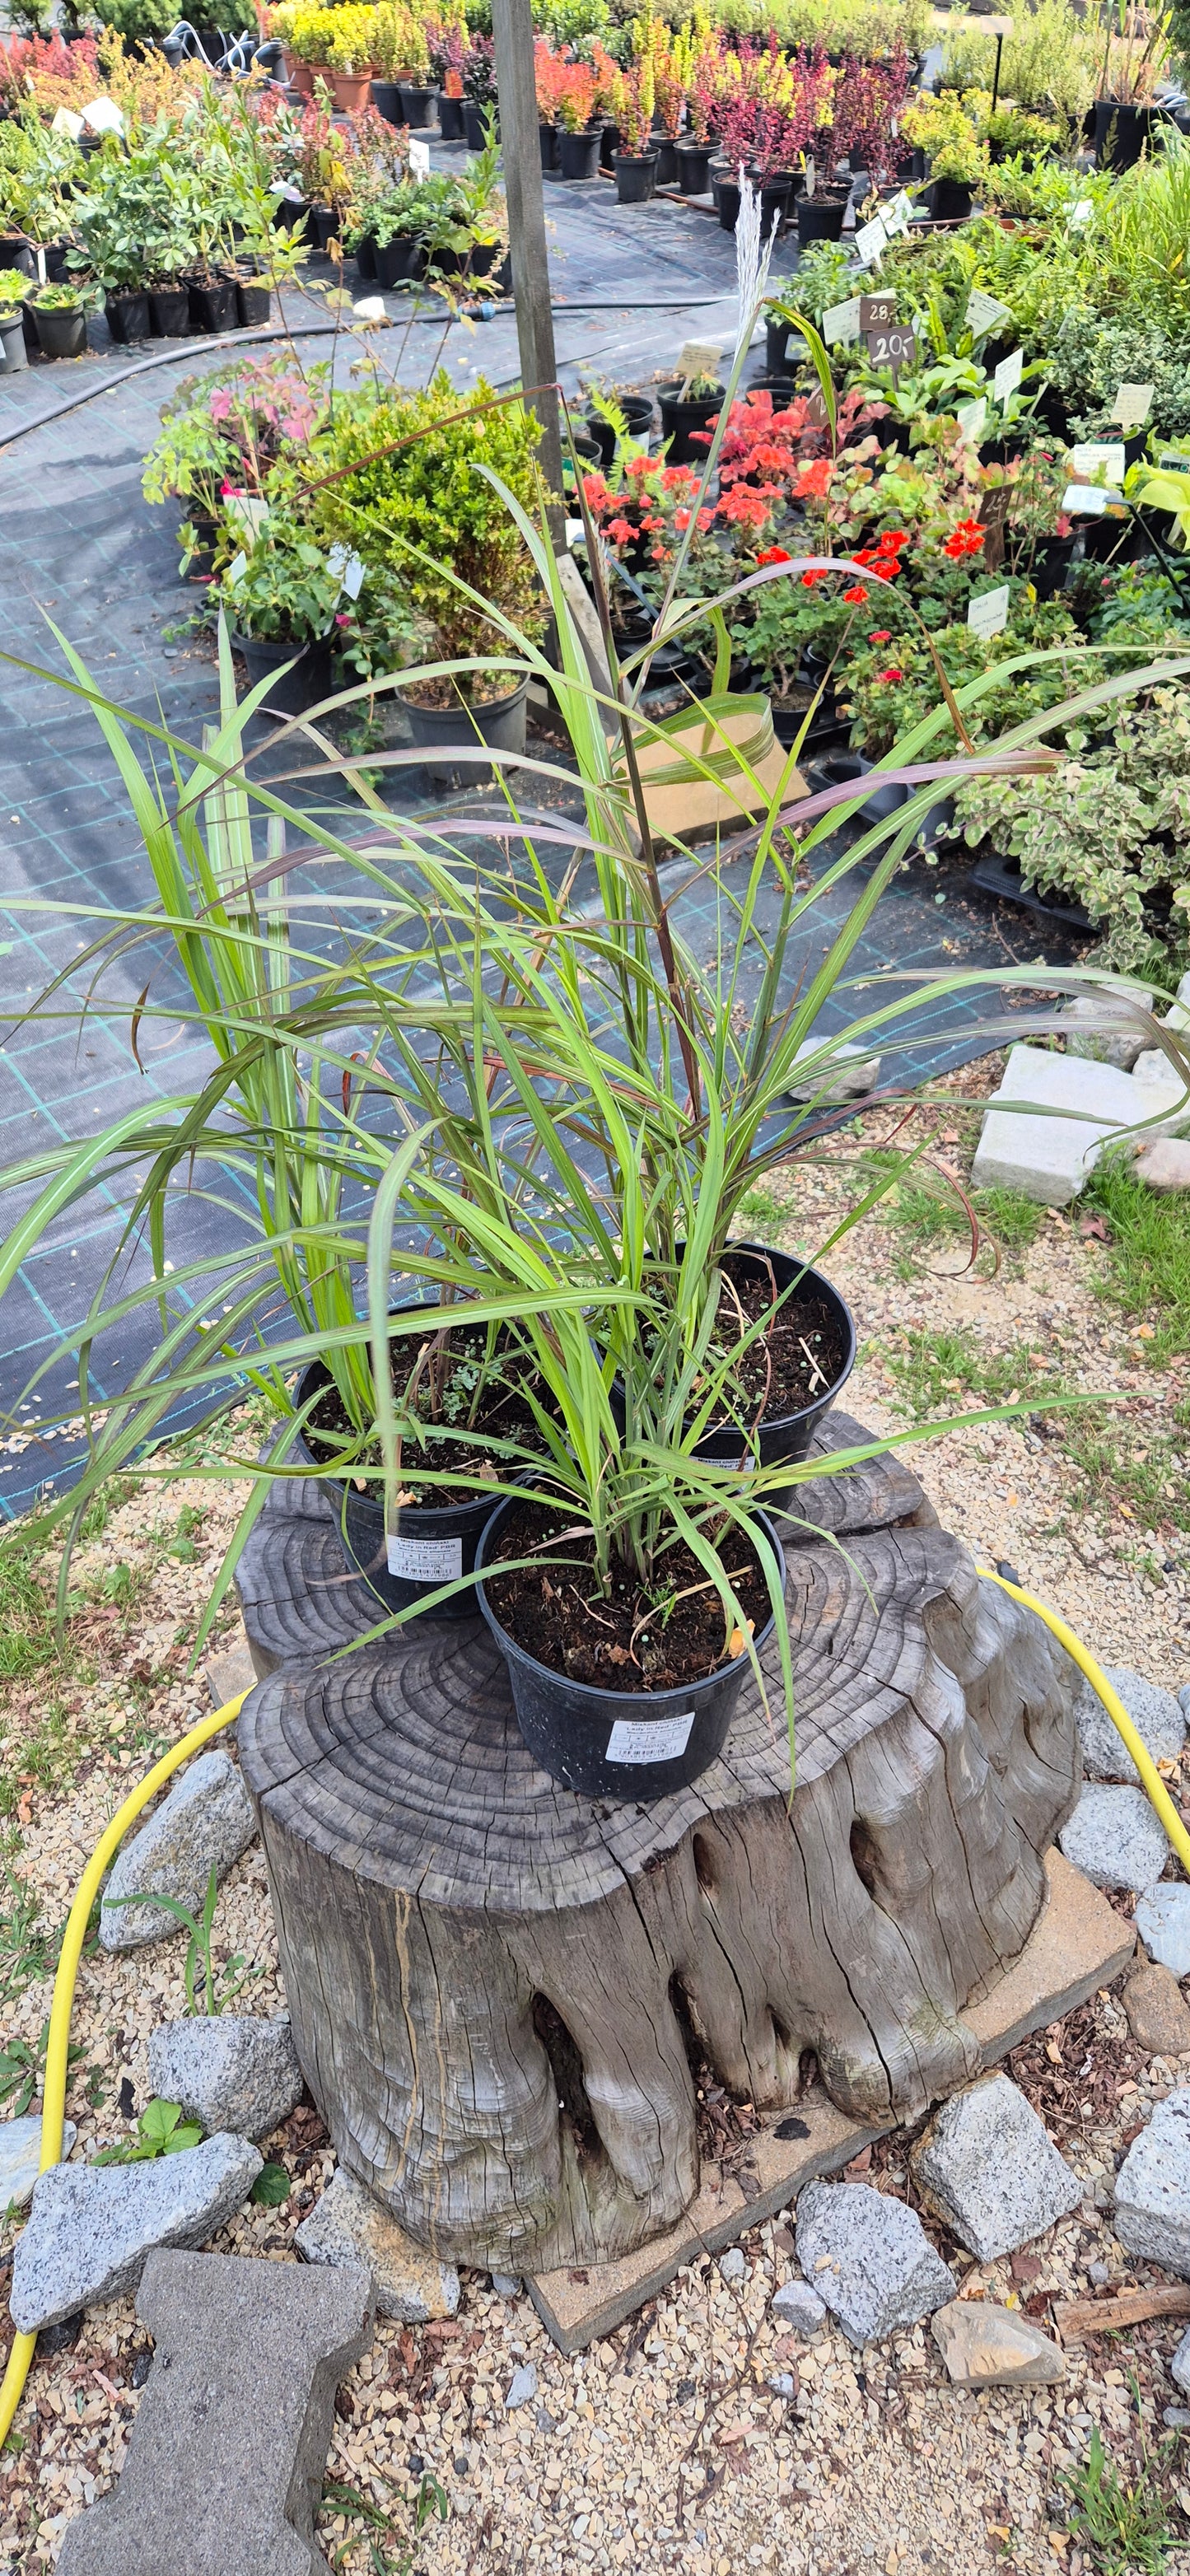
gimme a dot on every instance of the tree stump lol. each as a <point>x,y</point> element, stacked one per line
<point>498,1988</point>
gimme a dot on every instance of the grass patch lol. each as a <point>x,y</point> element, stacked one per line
<point>1148,1476</point>
<point>926,1210</point>
<point>27,1641</point>
<point>26,1951</point>
<point>933,1370</point>
<point>1146,1269</point>
<point>1125,2530</point>
<point>766,1210</point>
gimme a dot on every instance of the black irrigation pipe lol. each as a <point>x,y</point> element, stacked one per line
<point>325,331</point>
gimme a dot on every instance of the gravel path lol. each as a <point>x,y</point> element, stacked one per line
<point>665,2442</point>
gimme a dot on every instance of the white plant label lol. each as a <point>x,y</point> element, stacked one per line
<point>971,417</point>
<point>1087,500</point>
<point>840,322</point>
<point>870,240</point>
<point>983,312</point>
<point>1008,375</point>
<point>988,615</point>
<point>425,1560</point>
<point>895,216</point>
<point>237,569</point>
<point>1132,406</point>
<point>650,1739</point>
<point>247,511</point>
<point>1098,452</point>
<point>66,122</point>
<point>419,160</point>
<point>104,117</point>
<point>1171,461</point>
<point>698,358</point>
<point>811,175</point>
<point>1082,213</point>
<point>348,568</point>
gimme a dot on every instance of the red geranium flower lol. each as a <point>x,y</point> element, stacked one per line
<point>856,596</point>
<point>967,539</point>
<point>891,674</point>
<point>773,554</point>
<point>809,579</point>
<point>880,635</point>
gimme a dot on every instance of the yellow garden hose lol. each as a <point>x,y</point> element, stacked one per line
<point>1151,1780</point>
<point>54,2094</point>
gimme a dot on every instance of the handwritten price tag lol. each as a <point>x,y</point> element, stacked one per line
<point>876,312</point>
<point>840,323</point>
<point>893,348</point>
<point>988,615</point>
<point>1098,452</point>
<point>1132,406</point>
<point>1008,375</point>
<point>699,358</point>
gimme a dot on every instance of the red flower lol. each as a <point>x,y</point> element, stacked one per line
<point>891,674</point>
<point>809,579</point>
<point>892,541</point>
<point>967,539</point>
<point>773,554</point>
<point>813,481</point>
<point>621,531</point>
<point>856,596</point>
<point>880,635</point>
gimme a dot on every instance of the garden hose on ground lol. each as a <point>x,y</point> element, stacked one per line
<point>24,2345</point>
<point>54,2095</point>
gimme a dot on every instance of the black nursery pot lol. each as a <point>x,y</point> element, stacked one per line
<point>365,255</point>
<point>386,99</point>
<point>431,1545</point>
<point>254,302</point>
<point>127,317</point>
<point>13,353</point>
<point>820,219</point>
<point>609,145</point>
<point>578,154</point>
<point>324,225</point>
<point>667,162</point>
<point>416,103</point>
<point>475,121</point>
<point>1050,565</point>
<point>694,168</point>
<point>169,312</point>
<point>304,686</point>
<point>450,118</point>
<point>638,419</point>
<point>681,420</point>
<point>619,1744</point>
<point>400,261</point>
<point>636,177</point>
<point>62,334</point>
<point>16,252</point>
<point>213,304</point>
<point>441,731</point>
<point>776,347</point>
<point>1123,132</point>
<point>547,136</point>
<point>950,201</point>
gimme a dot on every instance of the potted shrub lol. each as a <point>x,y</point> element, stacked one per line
<point>957,158</point>
<point>636,163</point>
<point>481,106</point>
<point>687,407</point>
<point>118,221</point>
<point>549,72</point>
<point>673,67</point>
<point>60,314</point>
<point>579,136</point>
<point>282,596</point>
<point>1136,61</point>
<point>13,290</point>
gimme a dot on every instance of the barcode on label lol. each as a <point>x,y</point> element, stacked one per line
<point>650,1739</point>
<point>425,1560</point>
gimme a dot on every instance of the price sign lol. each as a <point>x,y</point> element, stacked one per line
<point>699,358</point>
<point>988,615</point>
<point>237,569</point>
<point>247,511</point>
<point>971,417</point>
<point>984,312</point>
<point>895,348</point>
<point>1008,375</point>
<point>877,311</point>
<point>1132,406</point>
<point>840,323</point>
<point>993,512</point>
<point>419,160</point>
<point>1098,452</point>
<point>66,122</point>
<point>816,415</point>
<point>870,240</point>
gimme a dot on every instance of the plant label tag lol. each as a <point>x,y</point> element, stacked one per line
<point>425,1560</point>
<point>870,241</point>
<point>1008,375</point>
<point>1088,500</point>
<point>419,160</point>
<point>698,358</point>
<point>237,569</point>
<point>1098,452</point>
<point>650,1739</point>
<point>876,312</point>
<point>104,117</point>
<point>1082,213</point>
<point>811,175</point>
<point>988,615</point>
<point>897,214</point>
<point>1132,406</point>
<point>66,122</point>
<point>247,511</point>
<point>983,312</point>
<point>840,323</point>
<point>971,417</point>
<point>1171,461</point>
<point>895,348</point>
<point>347,568</point>
<point>816,413</point>
<point>291,196</point>
<point>576,532</point>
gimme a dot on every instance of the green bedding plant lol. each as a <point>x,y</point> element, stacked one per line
<point>893,684</point>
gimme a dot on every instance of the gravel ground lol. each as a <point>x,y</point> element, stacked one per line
<point>666,2437</point>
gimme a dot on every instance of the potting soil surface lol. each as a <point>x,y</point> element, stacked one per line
<point>85,553</point>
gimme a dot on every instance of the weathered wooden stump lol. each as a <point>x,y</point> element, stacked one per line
<point>494,1982</point>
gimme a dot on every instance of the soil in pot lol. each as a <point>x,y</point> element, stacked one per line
<point>169,312</point>
<point>61,331</point>
<point>13,353</point>
<point>127,317</point>
<point>213,304</point>
<point>611,1699</point>
<point>683,422</point>
<point>636,177</point>
<point>386,99</point>
<point>578,154</point>
<point>820,218</point>
<point>694,168</point>
<point>254,302</point>
<point>450,118</point>
<point>788,1377</point>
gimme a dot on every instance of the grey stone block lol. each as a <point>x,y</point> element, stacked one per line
<point>349,2226</point>
<point>1153,2187</point>
<point>507,2285</point>
<point>226,2456</point>
<point>1154,1713</point>
<point>204,1824</point>
<point>20,2156</point>
<point>229,2071</point>
<point>1050,1155</point>
<point>869,2258</point>
<point>1163,1163</point>
<point>798,2309</point>
<point>985,2346</point>
<point>992,2172</point>
<point>850,1071</point>
<point>1108,1029</point>
<point>92,2226</point>
<point>1163,1922</point>
<point>1179,2368</point>
<point>1115,1838</point>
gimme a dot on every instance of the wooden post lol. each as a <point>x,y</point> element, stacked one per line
<point>512,25</point>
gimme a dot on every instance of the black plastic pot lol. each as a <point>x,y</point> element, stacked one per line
<point>633,1745</point>
<point>787,1437</point>
<point>291,215</point>
<point>430,1546</point>
<point>417,101</point>
<point>127,317</point>
<point>324,226</point>
<point>1123,132</point>
<point>475,123</point>
<point>667,162</point>
<point>636,177</point>
<point>547,136</point>
<point>169,312</point>
<point>213,304</point>
<point>16,252</point>
<point>54,255</point>
<point>441,731</point>
<point>254,302</point>
<point>774,204</point>
<point>820,219</point>
<point>13,353</point>
<point>777,355</point>
<point>478,261</point>
<point>638,416</point>
<point>450,118</point>
<point>400,261</point>
<point>62,333</point>
<point>609,145</point>
<point>950,201</point>
<point>578,154</point>
<point>304,686</point>
<point>694,168</point>
<point>680,420</point>
<point>1050,564</point>
<point>386,99</point>
<point>365,255</point>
